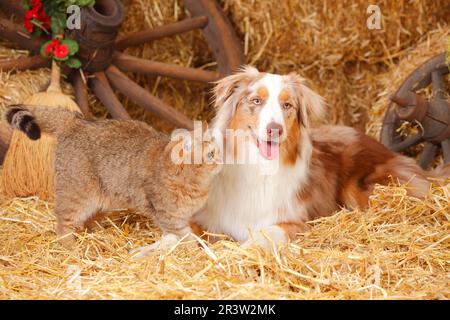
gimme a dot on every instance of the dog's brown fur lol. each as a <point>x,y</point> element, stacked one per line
<point>113,164</point>
<point>321,170</point>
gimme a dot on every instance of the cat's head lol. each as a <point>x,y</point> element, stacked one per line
<point>196,152</point>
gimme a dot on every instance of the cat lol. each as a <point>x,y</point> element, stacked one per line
<point>113,164</point>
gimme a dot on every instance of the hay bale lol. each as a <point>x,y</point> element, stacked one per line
<point>340,59</point>
<point>398,249</point>
<point>328,42</point>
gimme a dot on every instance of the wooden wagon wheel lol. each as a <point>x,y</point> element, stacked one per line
<point>431,117</point>
<point>100,53</point>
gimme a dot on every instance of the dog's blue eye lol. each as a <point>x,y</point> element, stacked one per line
<point>287,105</point>
<point>256,101</point>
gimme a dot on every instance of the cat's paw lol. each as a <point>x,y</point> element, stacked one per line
<point>165,243</point>
<point>68,241</point>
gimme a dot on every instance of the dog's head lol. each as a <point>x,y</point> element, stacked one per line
<point>273,109</point>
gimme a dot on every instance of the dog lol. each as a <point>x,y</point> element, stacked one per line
<point>320,170</point>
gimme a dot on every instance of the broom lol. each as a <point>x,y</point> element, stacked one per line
<point>28,168</point>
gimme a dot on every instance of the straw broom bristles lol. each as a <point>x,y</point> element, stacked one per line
<point>28,166</point>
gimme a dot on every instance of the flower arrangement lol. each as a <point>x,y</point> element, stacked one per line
<point>50,17</point>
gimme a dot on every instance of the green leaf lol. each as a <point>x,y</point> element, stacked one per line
<point>37,32</point>
<point>57,25</point>
<point>61,59</point>
<point>39,28</point>
<point>73,63</point>
<point>72,45</point>
<point>48,7</point>
<point>80,3</point>
<point>43,49</point>
<point>26,4</point>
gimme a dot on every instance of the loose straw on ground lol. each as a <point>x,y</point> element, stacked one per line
<point>399,248</point>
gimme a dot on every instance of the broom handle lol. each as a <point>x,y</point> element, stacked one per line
<point>55,85</point>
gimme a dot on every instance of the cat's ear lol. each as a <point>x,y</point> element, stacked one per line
<point>175,150</point>
<point>180,145</point>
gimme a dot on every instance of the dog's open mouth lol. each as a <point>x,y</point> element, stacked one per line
<point>268,149</point>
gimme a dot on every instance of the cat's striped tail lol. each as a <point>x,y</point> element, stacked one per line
<point>32,120</point>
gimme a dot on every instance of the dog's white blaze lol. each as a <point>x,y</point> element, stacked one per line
<point>272,109</point>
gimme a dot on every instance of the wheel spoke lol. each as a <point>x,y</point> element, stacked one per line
<point>103,91</point>
<point>16,33</point>
<point>129,63</point>
<point>223,41</point>
<point>446,150</point>
<point>167,30</point>
<point>24,63</point>
<point>407,143</point>
<point>143,98</point>
<point>81,94</point>
<point>12,7</point>
<point>428,153</point>
<point>438,84</point>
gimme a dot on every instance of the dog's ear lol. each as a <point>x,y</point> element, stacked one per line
<point>226,93</point>
<point>311,103</point>
<point>225,87</point>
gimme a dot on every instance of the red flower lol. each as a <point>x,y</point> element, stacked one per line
<point>38,13</point>
<point>61,51</point>
<point>44,19</point>
<point>51,46</point>
<point>29,15</point>
<point>28,25</point>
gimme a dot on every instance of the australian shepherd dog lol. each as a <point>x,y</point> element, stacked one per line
<point>319,170</point>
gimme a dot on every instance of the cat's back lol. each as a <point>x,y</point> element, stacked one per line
<point>119,131</point>
<point>113,143</point>
<point>114,135</point>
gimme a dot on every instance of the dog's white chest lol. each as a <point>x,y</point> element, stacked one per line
<point>242,199</point>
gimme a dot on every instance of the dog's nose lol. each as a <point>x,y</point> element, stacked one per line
<point>274,129</point>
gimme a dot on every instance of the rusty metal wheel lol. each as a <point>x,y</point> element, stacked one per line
<point>421,105</point>
<point>100,53</point>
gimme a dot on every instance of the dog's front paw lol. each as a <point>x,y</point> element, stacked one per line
<point>267,238</point>
<point>165,243</point>
<point>257,240</point>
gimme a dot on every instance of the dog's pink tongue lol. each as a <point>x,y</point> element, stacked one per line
<point>269,150</point>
